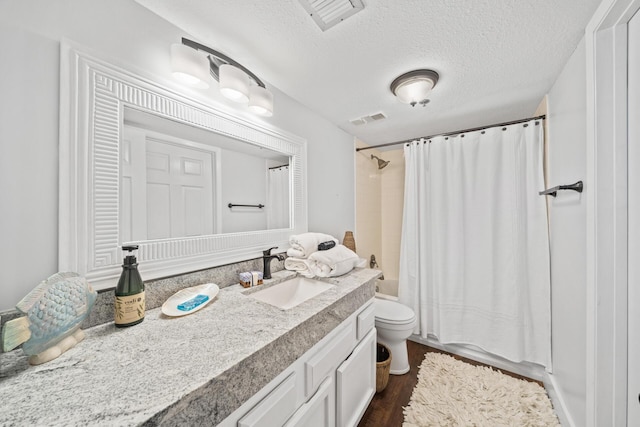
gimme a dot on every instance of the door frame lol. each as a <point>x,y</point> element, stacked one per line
<point>633,348</point>
<point>607,213</point>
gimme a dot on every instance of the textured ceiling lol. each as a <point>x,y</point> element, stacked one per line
<point>496,58</point>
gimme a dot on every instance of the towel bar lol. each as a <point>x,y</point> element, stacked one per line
<point>232,205</point>
<point>578,186</point>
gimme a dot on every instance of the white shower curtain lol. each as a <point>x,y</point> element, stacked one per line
<point>474,261</point>
<point>278,198</point>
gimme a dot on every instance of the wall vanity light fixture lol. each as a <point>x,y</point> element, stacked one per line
<point>413,87</point>
<point>236,81</point>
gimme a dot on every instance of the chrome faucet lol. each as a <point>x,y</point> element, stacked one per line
<point>266,260</point>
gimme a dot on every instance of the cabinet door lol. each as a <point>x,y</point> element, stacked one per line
<point>275,408</point>
<point>324,362</point>
<point>319,411</point>
<point>356,382</point>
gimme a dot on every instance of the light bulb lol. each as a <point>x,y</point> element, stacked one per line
<point>234,83</point>
<point>261,101</point>
<point>414,90</point>
<point>189,66</point>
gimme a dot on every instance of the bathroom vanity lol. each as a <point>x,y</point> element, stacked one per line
<point>238,361</point>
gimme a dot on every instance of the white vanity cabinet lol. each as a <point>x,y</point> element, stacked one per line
<point>330,385</point>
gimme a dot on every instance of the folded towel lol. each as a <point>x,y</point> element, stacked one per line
<point>334,262</point>
<point>303,245</point>
<point>299,265</point>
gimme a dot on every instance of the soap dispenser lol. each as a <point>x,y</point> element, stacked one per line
<point>129,303</point>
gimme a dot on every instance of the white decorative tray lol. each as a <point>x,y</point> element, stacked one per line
<point>189,300</point>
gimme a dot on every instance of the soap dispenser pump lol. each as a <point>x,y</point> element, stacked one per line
<point>129,303</point>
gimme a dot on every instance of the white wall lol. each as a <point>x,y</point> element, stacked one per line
<point>238,169</point>
<point>567,164</point>
<point>28,162</point>
<point>134,38</point>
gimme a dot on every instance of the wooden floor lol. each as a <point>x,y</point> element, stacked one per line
<point>386,407</point>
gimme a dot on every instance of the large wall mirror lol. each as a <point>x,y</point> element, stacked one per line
<point>194,187</point>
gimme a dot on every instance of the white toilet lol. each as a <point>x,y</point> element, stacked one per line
<point>394,323</point>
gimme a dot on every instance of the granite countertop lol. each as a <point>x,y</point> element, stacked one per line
<point>176,371</point>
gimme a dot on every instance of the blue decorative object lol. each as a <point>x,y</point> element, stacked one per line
<point>54,311</point>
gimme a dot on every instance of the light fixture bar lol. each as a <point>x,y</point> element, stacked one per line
<point>221,59</point>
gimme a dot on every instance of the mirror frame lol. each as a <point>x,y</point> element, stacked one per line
<point>93,94</point>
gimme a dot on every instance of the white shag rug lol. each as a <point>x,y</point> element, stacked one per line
<point>454,393</point>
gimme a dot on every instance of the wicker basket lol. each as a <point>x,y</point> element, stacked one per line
<point>383,365</point>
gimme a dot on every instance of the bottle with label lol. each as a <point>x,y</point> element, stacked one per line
<point>129,303</point>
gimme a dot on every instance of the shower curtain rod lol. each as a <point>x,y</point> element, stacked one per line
<point>515,122</point>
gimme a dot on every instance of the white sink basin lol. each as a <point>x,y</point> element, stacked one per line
<point>291,292</point>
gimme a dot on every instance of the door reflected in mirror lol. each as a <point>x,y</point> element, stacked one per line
<point>183,181</point>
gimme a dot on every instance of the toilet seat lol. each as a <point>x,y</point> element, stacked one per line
<point>393,313</point>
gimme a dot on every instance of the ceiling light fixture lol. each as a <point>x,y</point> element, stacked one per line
<point>236,81</point>
<point>413,87</point>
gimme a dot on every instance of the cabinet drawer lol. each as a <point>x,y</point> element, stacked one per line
<point>366,321</point>
<point>325,361</point>
<point>275,408</point>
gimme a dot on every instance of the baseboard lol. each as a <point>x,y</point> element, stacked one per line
<point>559,406</point>
<point>529,370</point>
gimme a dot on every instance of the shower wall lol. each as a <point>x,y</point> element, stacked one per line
<point>368,232</point>
<point>379,201</point>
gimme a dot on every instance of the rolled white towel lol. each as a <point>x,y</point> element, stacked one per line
<point>303,245</point>
<point>334,262</point>
<point>299,265</point>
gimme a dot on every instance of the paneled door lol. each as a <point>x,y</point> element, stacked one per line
<point>167,188</point>
<point>179,191</point>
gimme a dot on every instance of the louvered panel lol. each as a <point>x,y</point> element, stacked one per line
<point>327,13</point>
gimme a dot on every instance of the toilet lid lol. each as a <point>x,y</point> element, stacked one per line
<point>392,312</point>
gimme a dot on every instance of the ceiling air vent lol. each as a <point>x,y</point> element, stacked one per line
<point>367,119</point>
<point>328,13</point>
